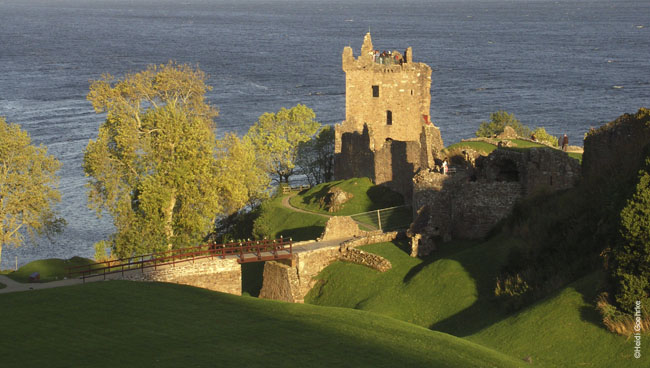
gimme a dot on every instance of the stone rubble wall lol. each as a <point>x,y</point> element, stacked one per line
<point>339,227</point>
<point>360,257</point>
<point>216,274</point>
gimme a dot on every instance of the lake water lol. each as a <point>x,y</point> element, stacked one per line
<point>564,65</point>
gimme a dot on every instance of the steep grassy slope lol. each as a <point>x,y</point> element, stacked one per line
<point>452,291</point>
<point>366,197</point>
<point>49,269</point>
<point>562,330</point>
<point>127,324</point>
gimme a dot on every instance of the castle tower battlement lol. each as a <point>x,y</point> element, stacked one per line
<point>387,134</point>
<point>390,94</point>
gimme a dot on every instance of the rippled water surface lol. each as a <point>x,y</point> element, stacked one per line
<point>564,65</point>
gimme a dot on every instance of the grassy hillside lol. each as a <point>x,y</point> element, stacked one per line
<point>452,291</point>
<point>291,224</point>
<point>367,197</point>
<point>49,269</point>
<point>562,330</point>
<point>128,324</point>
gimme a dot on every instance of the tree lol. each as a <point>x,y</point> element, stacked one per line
<point>631,271</point>
<point>498,122</point>
<point>276,138</point>
<point>244,182</point>
<point>28,188</point>
<point>316,157</point>
<point>153,166</point>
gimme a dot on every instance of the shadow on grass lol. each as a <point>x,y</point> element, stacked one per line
<point>316,195</point>
<point>483,268</point>
<point>303,233</point>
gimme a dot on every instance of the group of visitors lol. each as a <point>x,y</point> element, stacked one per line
<point>387,57</point>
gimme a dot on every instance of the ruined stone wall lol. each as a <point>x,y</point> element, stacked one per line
<point>404,90</point>
<point>385,136</point>
<point>615,150</point>
<point>214,274</point>
<point>468,204</point>
<point>373,261</point>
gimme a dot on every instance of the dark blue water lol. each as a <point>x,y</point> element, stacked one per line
<point>564,65</point>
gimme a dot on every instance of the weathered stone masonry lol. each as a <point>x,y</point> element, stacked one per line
<point>214,274</point>
<point>291,281</point>
<point>386,135</point>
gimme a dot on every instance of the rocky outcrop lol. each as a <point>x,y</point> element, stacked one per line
<point>334,199</point>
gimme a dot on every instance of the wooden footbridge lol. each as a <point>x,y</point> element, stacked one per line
<point>244,252</point>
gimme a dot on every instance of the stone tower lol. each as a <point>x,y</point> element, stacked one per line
<point>387,134</point>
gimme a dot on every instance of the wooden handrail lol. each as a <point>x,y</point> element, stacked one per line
<point>174,256</point>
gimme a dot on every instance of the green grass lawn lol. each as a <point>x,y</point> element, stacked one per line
<point>478,146</point>
<point>452,291</point>
<point>49,269</point>
<point>130,324</point>
<point>562,330</point>
<point>455,283</point>
<point>292,224</point>
<point>367,197</point>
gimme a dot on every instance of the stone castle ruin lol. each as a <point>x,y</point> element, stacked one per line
<point>387,135</point>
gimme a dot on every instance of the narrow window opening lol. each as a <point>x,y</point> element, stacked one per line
<point>389,117</point>
<point>375,91</point>
<point>411,92</point>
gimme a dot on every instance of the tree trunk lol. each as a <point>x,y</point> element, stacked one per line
<point>169,217</point>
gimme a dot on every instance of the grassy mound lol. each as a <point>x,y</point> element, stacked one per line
<point>2,286</point>
<point>282,221</point>
<point>128,324</point>
<point>452,291</point>
<point>562,330</point>
<point>366,197</point>
<point>49,269</point>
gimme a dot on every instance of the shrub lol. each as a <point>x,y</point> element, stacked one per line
<point>621,323</point>
<point>498,122</point>
<point>543,137</point>
<point>631,258</point>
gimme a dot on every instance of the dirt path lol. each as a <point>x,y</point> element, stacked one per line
<point>288,205</point>
<point>13,286</point>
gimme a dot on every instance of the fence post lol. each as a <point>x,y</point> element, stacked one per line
<point>379,219</point>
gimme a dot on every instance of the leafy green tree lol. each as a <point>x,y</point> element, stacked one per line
<point>28,188</point>
<point>244,181</point>
<point>316,157</point>
<point>276,137</point>
<point>631,271</point>
<point>153,166</point>
<point>541,135</point>
<point>498,122</point>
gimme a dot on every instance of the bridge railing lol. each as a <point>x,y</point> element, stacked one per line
<point>255,249</point>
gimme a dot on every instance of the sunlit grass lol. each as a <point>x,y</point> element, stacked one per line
<point>130,324</point>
